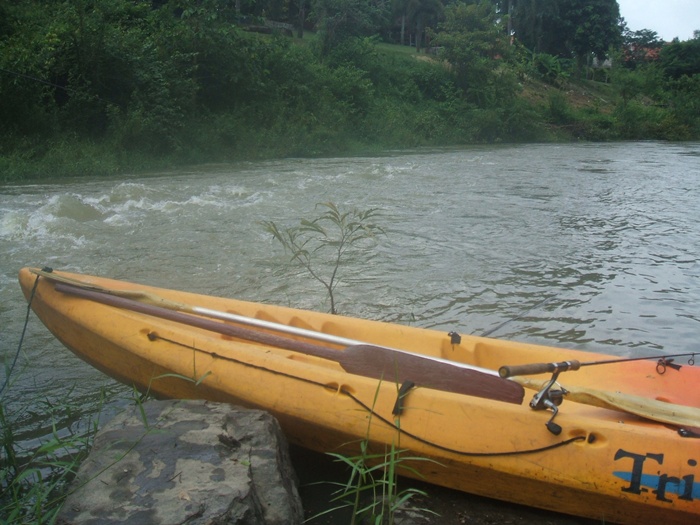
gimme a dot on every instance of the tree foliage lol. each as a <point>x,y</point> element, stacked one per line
<point>104,85</point>
<point>538,25</point>
<point>475,44</point>
<point>681,59</point>
<point>594,25</point>
<point>640,47</point>
<point>339,20</point>
<point>568,28</point>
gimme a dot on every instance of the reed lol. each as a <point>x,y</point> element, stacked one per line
<point>34,483</point>
<point>372,489</point>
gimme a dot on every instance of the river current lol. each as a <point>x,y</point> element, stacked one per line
<point>588,246</point>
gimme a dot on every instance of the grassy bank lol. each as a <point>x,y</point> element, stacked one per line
<point>34,482</point>
<point>541,113</point>
<point>121,87</point>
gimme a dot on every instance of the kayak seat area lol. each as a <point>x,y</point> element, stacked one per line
<point>479,354</point>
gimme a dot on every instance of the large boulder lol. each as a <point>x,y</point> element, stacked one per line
<point>194,462</point>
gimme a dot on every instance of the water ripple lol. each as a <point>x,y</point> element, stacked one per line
<point>475,238</point>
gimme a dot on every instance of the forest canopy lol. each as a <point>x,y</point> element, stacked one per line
<point>93,86</point>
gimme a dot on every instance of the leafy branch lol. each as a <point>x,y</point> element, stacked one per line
<point>335,232</point>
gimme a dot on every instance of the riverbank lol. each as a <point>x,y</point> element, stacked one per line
<point>440,506</point>
<point>575,111</point>
<point>141,88</point>
<point>318,475</point>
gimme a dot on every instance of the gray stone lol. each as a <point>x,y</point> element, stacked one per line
<point>193,462</point>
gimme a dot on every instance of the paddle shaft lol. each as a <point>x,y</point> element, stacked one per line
<point>156,300</point>
<point>363,359</point>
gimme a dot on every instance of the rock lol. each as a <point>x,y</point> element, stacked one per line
<point>192,462</point>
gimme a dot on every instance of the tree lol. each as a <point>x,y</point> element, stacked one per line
<point>27,87</point>
<point>301,18</point>
<point>537,25</point>
<point>474,43</point>
<point>594,25</point>
<point>681,59</point>
<point>339,20</point>
<point>400,8</point>
<point>420,12</point>
<point>568,28</point>
<point>640,47</point>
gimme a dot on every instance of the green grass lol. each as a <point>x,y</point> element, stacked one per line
<point>397,49</point>
<point>34,483</point>
<point>372,489</point>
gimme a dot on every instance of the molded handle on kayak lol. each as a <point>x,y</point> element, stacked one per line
<point>538,368</point>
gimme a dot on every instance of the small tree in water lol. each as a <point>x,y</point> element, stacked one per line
<point>333,232</point>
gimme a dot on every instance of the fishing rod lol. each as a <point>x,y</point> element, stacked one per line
<point>548,398</point>
<point>562,366</point>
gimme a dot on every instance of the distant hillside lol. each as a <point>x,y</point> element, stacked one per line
<point>113,87</point>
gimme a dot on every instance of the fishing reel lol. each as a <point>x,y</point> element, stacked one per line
<point>550,399</point>
<point>547,398</point>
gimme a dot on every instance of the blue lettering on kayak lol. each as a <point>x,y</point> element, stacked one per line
<point>649,481</point>
<point>662,485</point>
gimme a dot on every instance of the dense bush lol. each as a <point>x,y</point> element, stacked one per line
<point>101,86</point>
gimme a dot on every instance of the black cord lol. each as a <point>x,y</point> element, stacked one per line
<point>462,452</point>
<point>21,339</point>
<point>154,336</point>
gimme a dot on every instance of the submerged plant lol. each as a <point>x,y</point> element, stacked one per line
<point>33,484</point>
<point>334,232</point>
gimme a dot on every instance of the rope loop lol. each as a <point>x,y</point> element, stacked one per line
<point>24,330</point>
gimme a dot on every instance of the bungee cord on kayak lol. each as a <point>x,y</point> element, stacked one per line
<point>152,336</point>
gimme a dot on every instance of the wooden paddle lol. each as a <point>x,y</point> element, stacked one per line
<point>382,362</point>
<point>156,300</point>
<point>361,359</point>
<point>669,413</point>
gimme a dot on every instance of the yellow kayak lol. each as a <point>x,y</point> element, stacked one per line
<point>617,442</point>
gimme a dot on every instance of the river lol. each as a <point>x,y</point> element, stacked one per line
<point>474,237</point>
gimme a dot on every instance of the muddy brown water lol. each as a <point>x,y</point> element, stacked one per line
<point>475,238</point>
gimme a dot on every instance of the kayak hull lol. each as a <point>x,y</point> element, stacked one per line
<point>605,464</point>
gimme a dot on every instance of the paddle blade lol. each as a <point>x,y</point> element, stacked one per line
<point>399,367</point>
